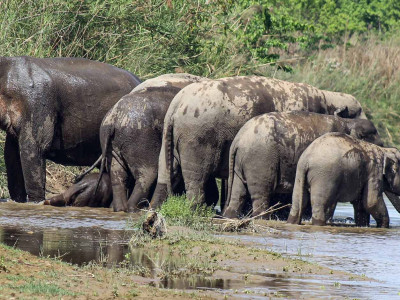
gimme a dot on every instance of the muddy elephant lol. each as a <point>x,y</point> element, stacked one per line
<point>131,135</point>
<point>52,108</point>
<point>339,168</point>
<point>264,154</point>
<point>204,117</point>
<point>86,192</point>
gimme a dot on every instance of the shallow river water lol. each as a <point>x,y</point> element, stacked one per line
<point>81,235</point>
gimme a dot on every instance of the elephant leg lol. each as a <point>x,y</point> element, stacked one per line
<point>83,199</point>
<point>34,170</point>
<point>224,191</point>
<point>261,193</point>
<point>195,184</point>
<point>261,180</point>
<point>197,166</point>
<point>119,177</point>
<point>15,177</point>
<point>361,216</point>
<point>300,196</point>
<point>373,203</point>
<point>195,190</point>
<point>380,214</point>
<point>141,192</point>
<point>330,210</point>
<point>238,197</point>
<point>322,197</point>
<point>300,204</point>
<point>211,192</point>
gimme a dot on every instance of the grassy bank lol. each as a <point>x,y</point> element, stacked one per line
<point>24,276</point>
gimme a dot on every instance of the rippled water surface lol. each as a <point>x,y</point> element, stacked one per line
<point>80,235</point>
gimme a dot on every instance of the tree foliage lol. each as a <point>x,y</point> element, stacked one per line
<point>213,38</point>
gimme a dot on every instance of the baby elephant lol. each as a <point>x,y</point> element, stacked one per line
<point>265,152</point>
<point>339,168</point>
<point>83,193</point>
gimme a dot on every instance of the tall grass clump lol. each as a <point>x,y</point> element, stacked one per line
<point>368,68</point>
<point>180,211</point>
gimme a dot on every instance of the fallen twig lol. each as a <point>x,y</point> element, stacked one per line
<point>235,225</point>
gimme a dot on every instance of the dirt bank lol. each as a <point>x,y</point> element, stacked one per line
<point>24,276</point>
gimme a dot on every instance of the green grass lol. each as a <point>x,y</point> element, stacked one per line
<point>41,288</point>
<point>180,211</point>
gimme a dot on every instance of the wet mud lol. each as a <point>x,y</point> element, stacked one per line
<point>82,235</point>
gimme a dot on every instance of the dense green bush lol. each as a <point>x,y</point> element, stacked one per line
<point>212,38</point>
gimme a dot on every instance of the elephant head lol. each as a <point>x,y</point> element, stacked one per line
<point>391,175</point>
<point>343,105</point>
<point>364,130</point>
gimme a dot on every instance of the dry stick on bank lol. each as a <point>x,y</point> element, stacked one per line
<point>155,224</point>
<point>235,225</point>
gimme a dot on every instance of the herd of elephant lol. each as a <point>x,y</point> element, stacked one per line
<point>177,133</point>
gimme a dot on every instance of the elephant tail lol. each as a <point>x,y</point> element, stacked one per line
<point>104,155</point>
<point>301,195</point>
<point>87,171</point>
<point>169,154</point>
<point>232,158</point>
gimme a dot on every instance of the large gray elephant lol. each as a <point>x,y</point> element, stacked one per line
<point>86,192</point>
<point>51,108</point>
<point>339,168</point>
<point>131,135</point>
<point>264,154</point>
<point>204,117</point>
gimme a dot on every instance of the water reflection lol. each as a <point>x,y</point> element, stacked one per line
<point>78,246</point>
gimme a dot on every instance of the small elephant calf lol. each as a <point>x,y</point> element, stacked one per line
<point>265,152</point>
<point>339,168</point>
<point>83,193</point>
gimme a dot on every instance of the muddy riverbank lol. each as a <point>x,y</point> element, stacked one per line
<point>277,261</point>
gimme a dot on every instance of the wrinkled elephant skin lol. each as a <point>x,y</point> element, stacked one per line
<point>51,108</point>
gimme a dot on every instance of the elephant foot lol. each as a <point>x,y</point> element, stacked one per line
<point>293,220</point>
<point>118,209</point>
<point>318,222</point>
<point>133,210</point>
<point>230,214</point>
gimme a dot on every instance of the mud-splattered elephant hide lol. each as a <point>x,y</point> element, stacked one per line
<point>131,135</point>
<point>51,108</point>
<point>264,154</point>
<point>86,192</point>
<point>339,168</point>
<point>204,118</point>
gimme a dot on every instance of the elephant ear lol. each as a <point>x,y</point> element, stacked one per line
<point>342,112</point>
<point>389,165</point>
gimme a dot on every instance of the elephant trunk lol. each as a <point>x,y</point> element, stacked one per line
<point>394,199</point>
